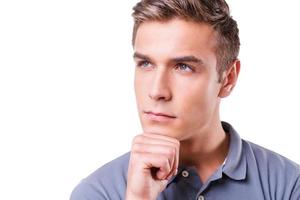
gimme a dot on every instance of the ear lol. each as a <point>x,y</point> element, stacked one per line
<point>229,79</point>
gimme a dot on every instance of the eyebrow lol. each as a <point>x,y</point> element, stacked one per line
<point>189,58</point>
<point>140,56</point>
<point>193,59</point>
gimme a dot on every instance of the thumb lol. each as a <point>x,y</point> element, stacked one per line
<point>161,175</point>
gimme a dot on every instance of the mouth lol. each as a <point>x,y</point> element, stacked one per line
<point>158,116</point>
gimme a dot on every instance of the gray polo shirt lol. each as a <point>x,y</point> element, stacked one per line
<point>250,172</point>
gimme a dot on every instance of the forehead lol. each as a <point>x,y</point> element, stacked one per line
<point>174,37</point>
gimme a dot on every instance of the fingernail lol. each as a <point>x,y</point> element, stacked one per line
<point>160,175</point>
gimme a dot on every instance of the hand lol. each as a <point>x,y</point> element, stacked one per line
<point>153,161</point>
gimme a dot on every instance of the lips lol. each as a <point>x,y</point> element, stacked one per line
<point>159,116</point>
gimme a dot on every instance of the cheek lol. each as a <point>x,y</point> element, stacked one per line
<point>141,88</point>
<point>195,103</point>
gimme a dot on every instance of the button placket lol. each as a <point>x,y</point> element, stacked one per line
<point>185,173</point>
<point>201,197</point>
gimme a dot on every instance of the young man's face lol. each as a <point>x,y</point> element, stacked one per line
<point>176,81</point>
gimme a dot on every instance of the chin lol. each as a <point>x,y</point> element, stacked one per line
<point>167,131</point>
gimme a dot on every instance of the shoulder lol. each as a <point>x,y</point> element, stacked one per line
<point>278,172</point>
<point>270,158</point>
<point>107,182</point>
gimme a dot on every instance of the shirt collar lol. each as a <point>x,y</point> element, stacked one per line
<point>179,170</point>
<point>235,165</point>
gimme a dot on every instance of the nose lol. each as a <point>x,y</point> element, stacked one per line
<point>160,90</point>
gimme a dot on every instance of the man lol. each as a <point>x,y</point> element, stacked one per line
<point>186,62</point>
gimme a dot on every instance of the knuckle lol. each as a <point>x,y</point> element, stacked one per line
<point>177,146</point>
<point>171,152</point>
<point>135,157</point>
<point>177,143</point>
<point>136,147</point>
<point>174,140</point>
<point>135,138</point>
<point>174,152</point>
<point>166,164</point>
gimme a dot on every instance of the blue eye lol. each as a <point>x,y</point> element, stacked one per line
<point>184,67</point>
<point>143,64</point>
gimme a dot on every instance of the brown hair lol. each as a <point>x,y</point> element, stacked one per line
<point>213,12</point>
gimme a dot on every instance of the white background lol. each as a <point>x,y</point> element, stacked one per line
<point>67,103</point>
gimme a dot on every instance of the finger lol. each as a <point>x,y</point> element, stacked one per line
<point>174,169</point>
<point>167,150</point>
<point>152,138</point>
<point>162,137</point>
<point>142,138</point>
<point>149,138</point>
<point>159,139</point>
<point>146,161</point>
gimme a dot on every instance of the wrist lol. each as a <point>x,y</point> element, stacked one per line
<point>130,196</point>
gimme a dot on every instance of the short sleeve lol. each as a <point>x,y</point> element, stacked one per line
<point>86,191</point>
<point>296,190</point>
<point>106,183</point>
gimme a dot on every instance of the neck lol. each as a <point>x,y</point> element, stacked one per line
<point>206,151</point>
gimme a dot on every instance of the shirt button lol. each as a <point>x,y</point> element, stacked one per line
<point>201,197</point>
<point>185,173</point>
